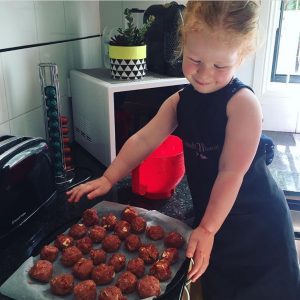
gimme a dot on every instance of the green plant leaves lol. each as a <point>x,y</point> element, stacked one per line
<point>131,36</point>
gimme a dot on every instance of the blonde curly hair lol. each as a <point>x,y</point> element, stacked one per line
<point>233,22</point>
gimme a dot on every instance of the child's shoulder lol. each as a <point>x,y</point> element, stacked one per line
<point>244,100</point>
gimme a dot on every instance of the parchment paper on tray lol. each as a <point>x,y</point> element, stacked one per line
<point>21,286</point>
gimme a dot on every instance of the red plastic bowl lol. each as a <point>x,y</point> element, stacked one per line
<point>158,175</point>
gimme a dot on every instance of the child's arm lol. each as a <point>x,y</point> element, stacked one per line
<point>136,149</point>
<point>242,137</point>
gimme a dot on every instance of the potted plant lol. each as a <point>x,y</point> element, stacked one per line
<point>127,50</point>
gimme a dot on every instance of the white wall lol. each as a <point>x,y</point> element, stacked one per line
<point>32,22</point>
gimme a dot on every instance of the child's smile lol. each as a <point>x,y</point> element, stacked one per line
<point>208,62</point>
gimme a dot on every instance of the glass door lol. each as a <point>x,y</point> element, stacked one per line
<point>277,66</point>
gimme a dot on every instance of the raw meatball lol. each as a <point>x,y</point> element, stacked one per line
<point>111,243</point>
<point>85,290</point>
<point>155,233</point>
<point>174,240</point>
<point>90,217</point>
<point>136,266</point>
<point>49,252</point>
<point>161,270</point>
<point>138,225</point>
<point>111,293</point>
<point>127,282</point>
<point>70,256</point>
<point>83,268</point>
<point>148,286</point>
<point>128,214</point>
<point>122,229</point>
<point>42,270</point>
<point>63,241</point>
<point>118,261</point>
<point>148,253</point>
<point>171,255</point>
<point>84,245</point>
<point>103,274</point>
<point>132,242</point>
<point>109,221</point>
<point>97,233</point>
<point>98,256</point>
<point>62,284</point>
<point>77,231</point>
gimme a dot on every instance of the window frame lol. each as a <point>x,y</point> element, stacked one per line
<point>274,76</point>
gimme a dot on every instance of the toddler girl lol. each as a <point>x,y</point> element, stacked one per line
<point>242,243</point>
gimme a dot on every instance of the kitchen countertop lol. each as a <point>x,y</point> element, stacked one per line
<point>57,215</point>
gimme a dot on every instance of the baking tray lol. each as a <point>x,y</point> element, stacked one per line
<point>21,286</point>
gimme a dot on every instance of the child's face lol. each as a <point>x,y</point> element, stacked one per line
<point>208,63</point>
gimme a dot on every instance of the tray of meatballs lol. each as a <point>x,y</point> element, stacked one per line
<point>114,252</point>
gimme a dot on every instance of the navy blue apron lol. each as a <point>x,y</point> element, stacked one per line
<point>254,255</point>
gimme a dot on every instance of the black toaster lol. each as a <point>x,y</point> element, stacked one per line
<point>27,180</point>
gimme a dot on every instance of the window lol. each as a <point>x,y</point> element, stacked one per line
<point>286,60</point>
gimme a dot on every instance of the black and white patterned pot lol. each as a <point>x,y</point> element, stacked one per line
<point>127,63</point>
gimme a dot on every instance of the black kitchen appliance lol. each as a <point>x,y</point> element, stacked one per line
<point>26,180</point>
<point>163,38</point>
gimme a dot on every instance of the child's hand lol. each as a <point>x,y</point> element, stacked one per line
<point>199,248</point>
<point>93,188</point>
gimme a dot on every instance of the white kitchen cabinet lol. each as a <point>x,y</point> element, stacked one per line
<point>93,104</point>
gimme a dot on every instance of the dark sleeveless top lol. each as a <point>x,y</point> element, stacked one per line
<point>257,234</point>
